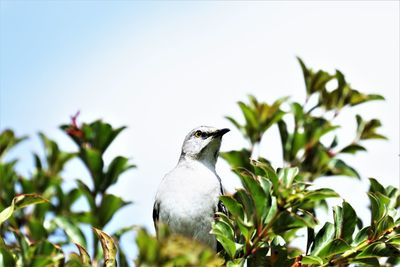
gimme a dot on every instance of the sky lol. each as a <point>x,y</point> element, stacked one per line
<point>164,67</point>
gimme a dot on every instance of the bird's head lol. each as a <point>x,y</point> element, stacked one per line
<point>203,143</point>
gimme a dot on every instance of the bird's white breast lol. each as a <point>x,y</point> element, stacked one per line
<point>188,196</point>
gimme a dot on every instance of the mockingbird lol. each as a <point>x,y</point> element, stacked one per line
<point>188,196</point>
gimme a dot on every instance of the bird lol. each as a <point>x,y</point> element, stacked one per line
<point>188,196</point>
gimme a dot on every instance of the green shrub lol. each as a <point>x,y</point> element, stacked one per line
<point>263,217</point>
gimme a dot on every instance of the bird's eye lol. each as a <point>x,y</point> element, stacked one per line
<point>198,134</point>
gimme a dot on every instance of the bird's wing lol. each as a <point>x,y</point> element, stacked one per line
<point>221,207</point>
<point>156,213</point>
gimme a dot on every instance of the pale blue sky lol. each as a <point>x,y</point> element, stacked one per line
<point>163,68</point>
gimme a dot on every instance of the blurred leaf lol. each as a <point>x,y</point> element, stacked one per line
<point>367,129</point>
<point>319,194</point>
<point>109,205</point>
<point>72,231</point>
<point>315,82</point>
<point>352,149</point>
<point>359,98</point>
<point>20,202</point>
<point>117,166</point>
<point>6,257</point>
<point>94,162</point>
<point>287,175</point>
<point>238,159</point>
<point>8,140</point>
<point>339,167</point>
<point>87,193</point>
<point>55,158</point>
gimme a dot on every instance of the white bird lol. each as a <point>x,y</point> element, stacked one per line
<point>188,196</point>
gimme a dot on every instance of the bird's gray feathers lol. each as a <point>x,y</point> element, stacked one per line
<point>188,196</point>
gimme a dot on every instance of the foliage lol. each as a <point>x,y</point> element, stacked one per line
<point>302,143</point>
<point>268,210</point>
<point>266,214</point>
<point>38,220</point>
<point>25,231</point>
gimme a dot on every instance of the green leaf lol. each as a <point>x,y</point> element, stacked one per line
<point>362,235</point>
<point>6,257</point>
<point>339,167</point>
<point>352,149</point>
<point>84,189</point>
<point>238,159</point>
<point>319,194</point>
<point>109,248</point>
<point>289,220</point>
<point>117,166</point>
<point>94,163</point>
<point>20,202</point>
<point>379,203</point>
<point>109,205</point>
<point>234,122</point>
<point>266,171</point>
<point>254,188</point>
<point>229,245</point>
<point>72,231</point>
<point>379,249</point>
<point>375,186</point>
<point>323,238</point>
<point>334,247</point>
<point>359,98</point>
<point>312,260</point>
<point>345,220</point>
<point>222,228</point>
<point>385,224</point>
<point>233,206</point>
<point>249,115</point>
<point>287,175</point>
<point>148,247</point>
<point>8,140</point>
<point>236,263</point>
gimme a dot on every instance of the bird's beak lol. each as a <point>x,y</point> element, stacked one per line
<point>220,132</point>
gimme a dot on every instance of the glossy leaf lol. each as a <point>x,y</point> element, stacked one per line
<point>323,238</point>
<point>345,220</point>
<point>333,247</point>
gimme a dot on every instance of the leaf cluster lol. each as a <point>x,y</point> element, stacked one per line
<point>25,231</point>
